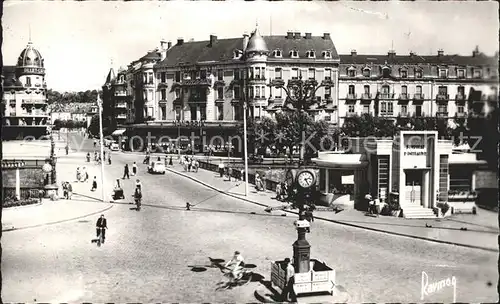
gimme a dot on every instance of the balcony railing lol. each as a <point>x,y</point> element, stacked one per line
<point>386,113</point>
<point>442,97</point>
<point>120,93</point>
<point>121,105</point>
<point>386,95</point>
<point>351,96</point>
<point>366,96</point>
<point>460,97</point>
<point>418,96</point>
<point>121,116</point>
<point>33,101</point>
<point>404,97</point>
<point>442,114</point>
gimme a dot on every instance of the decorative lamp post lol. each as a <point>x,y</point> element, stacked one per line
<point>301,96</point>
<point>99,104</point>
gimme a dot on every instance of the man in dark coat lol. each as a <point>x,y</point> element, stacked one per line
<point>126,172</point>
<point>102,224</point>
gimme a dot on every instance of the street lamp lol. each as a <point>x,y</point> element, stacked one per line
<point>99,105</point>
<point>300,96</point>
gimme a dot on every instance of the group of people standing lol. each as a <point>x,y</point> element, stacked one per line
<point>190,163</point>
<point>126,170</point>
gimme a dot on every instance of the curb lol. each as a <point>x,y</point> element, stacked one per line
<point>22,207</point>
<point>339,222</point>
<point>57,222</point>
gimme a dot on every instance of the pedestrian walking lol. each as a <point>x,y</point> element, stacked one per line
<point>109,160</point>
<point>126,172</point>
<point>69,187</point>
<point>138,184</point>
<point>104,154</point>
<point>78,174</point>
<point>65,190</point>
<point>67,149</point>
<point>134,169</point>
<point>85,174</point>
<point>189,165</point>
<point>278,192</point>
<point>221,169</point>
<point>170,162</point>
<point>94,184</point>
<point>290,272</point>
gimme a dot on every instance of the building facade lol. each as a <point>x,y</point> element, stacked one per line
<point>24,99</point>
<point>391,86</point>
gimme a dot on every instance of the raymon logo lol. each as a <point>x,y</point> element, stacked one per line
<point>430,288</point>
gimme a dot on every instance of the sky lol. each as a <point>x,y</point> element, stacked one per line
<point>81,41</point>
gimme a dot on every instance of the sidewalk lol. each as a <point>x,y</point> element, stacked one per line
<point>83,203</point>
<point>482,228</point>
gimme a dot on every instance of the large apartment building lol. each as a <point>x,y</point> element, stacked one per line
<point>440,85</point>
<point>24,100</point>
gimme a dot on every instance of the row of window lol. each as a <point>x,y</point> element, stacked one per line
<point>385,89</point>
<point>387,108</point>
<point>253,73</point>
<point>403,73</point>
<point>309,54</point>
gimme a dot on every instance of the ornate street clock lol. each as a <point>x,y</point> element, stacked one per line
<point>306,179</point>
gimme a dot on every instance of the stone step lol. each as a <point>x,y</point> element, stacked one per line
<point>417,211</point>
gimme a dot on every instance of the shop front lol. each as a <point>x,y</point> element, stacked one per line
<point>415,168</point>
<point>183,134</point>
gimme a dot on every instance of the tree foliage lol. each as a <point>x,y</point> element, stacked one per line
<point>55,97</point>
<point>69,124</point>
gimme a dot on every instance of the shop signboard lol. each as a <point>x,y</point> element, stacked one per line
<point>414,151</point>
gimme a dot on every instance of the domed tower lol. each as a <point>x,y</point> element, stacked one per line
<point>30,68</point>
<point>27,94</point>
<point>256,53</point>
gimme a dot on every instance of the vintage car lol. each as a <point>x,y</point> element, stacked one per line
<point>114,146</point>
<point>157,167</point>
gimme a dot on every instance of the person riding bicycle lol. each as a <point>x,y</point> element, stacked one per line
<point>101,226</point>
<point>235,265</point>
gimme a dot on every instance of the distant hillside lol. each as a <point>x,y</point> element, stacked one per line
<point>57,98</point>
<point>77,107</point>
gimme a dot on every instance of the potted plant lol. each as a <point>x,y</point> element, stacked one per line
<point>445,208</point>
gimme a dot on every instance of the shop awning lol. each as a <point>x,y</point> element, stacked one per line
<point>341,161</point>
<point>465,159</point>
<point>118,132</point>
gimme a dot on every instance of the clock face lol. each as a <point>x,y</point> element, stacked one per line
<point>289,179</point>
<point>305,179</point>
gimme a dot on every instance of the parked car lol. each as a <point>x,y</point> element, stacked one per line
<point>157,167</point>
<point>114,146</point>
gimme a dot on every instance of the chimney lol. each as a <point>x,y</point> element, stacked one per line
<point>245,41</point>
<point>391,53</point>
<point>297,35</point>
<point>169,45</point>
<point>326,36</point>
<point>354,53</point>
<point>412,54</point>
<point>308,35</point>
<point>180,41</point>
<point>213,40</point>
<point>475,52</point>
<point>289,35</point>
<point>440,52</point>
<point>162,44</point>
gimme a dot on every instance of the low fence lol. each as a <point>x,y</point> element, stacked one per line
<point>237,173</point>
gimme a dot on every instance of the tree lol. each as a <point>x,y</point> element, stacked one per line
<point>57,124</point>
<point>260,133</point>
<point>70,124</point>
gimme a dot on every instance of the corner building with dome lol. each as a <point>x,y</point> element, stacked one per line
<point>24,100</point>
<point>200,86</point>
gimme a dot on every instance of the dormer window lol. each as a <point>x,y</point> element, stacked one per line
<point>366,72</point>
<point>403,73</point>
<point>237,54</point>
<point>311,54</point>
<point>351,72</point>
<point>418,73</point>
<point>443,73</point>
<point>277,53</point>
<point>327,54</point>
<point>386,71</point>
<point>461,73</point>
<point>294,54</point>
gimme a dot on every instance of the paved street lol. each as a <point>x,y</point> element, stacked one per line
<point>147,254</point>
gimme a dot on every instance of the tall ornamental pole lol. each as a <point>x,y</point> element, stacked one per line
<point>99,103</point>
<point>245,145</point>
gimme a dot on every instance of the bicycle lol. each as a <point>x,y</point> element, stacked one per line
<point>243,277</point>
